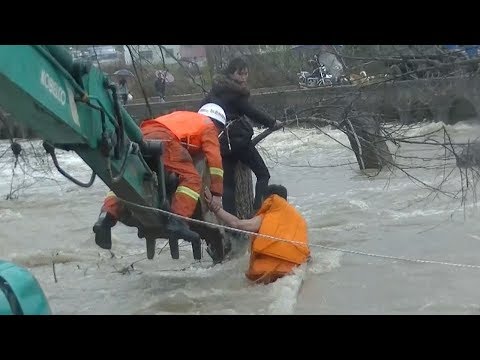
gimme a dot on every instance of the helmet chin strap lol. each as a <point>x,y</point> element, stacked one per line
<point>225,128</point>
<point>218,124</point>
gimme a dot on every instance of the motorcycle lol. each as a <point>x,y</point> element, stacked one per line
<point>318,77</point>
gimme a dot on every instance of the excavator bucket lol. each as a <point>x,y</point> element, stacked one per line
<point>215,238</point>
<point>72,105</point>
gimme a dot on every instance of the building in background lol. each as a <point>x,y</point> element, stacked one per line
<point>152,54</point>
<point>97,54</point>
<point>194,53</point>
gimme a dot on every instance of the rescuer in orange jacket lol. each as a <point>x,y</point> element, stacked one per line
<point>271,259</point>
<point>185,134</point>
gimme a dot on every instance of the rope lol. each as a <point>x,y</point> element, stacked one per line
<point>300,243</point>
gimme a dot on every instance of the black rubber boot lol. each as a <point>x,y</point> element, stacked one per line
<point>179,229</point>
<point>103,230</point>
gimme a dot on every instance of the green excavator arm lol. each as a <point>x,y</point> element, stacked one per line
<point>73,106</point>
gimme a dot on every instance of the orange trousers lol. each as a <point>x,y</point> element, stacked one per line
<point>178,160</point>
<point>267,269</point>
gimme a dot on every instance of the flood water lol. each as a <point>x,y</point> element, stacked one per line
<point>50,219</point>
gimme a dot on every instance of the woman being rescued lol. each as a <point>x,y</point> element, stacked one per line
<point>271,259</point>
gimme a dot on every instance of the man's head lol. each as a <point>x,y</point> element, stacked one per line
<point>237,70</point>
<point>214,112</point>
<point>279,190</point>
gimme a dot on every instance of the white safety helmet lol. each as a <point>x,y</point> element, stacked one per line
<point>214,111</point>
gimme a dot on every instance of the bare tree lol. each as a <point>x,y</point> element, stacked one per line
<point>370,128</point>
<point>29,164</point>
<point>376,134</point>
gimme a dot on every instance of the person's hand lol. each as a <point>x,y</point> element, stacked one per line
<point>214,203</point>
<point>208,195</point>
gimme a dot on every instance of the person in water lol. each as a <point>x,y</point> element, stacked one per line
<point>270,259</point>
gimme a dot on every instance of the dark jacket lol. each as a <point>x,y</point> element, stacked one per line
<point>160,86</point>
<point>234,99</point>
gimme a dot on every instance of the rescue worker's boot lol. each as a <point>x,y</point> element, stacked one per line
<point>103,230</point>
<point>179,229</point>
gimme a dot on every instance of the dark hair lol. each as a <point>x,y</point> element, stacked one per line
<point>279,190</point>
<point>236,64</point>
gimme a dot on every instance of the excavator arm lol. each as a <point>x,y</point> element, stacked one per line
<point>74,106</point>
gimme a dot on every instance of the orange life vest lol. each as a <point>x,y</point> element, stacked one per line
<point>187,126</point>
<point>272,258</point>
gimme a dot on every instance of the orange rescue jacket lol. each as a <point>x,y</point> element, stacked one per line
<point>281,220</point>
<point>197,133</point>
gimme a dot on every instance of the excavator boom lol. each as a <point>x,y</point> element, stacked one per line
<point>72,105</point>
<point>56,103</point>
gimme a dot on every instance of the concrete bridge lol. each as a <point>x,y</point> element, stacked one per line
<point>448,100</point>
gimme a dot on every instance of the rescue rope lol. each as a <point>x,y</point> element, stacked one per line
<point>299,243</point>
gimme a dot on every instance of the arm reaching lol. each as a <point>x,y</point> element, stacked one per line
<point>254,114</point>
<point>252,225</point>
